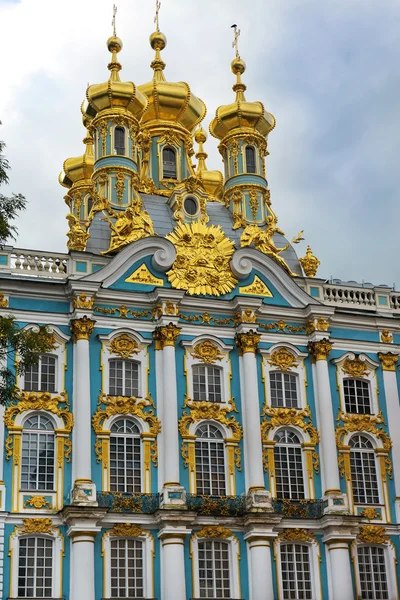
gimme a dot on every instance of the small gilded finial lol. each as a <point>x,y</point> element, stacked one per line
<point>158,6</point>
<point>114,23</point>
<point>235,43</point>
<point>310,263</point>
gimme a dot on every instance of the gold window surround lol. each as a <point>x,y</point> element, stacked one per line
<point>357,366</point>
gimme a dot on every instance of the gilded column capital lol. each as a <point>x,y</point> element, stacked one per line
<point>81,328</point>
<point>388,361</point>
<point>320,350</point>
<point>247,342</point>
<point>166,335</point>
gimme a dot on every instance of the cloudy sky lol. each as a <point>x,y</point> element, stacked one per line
<point>329,70</point>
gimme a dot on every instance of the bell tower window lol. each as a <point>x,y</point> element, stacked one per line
<point>250,160</point>
<point>169,163</point>
<point>119,140</point>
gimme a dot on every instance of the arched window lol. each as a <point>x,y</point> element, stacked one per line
<point>127,568</point>
<point>207,383</point>
<point>38,451</point>
<point>357,396</point>
<point>89,204</point>
<point>124,377</point>
<point>372,572</point>
<point>35,567</point>
<point>42,376</point>
<point>169,163</point>
<point>125,457</point>
<point>119,140</point>
<point>363,471</point>
<point>214,569</point>
<point>283,389</point>
<point>288,465</point>
<point>296,572</point>
<point>210,461</point>
<point>250,160</point>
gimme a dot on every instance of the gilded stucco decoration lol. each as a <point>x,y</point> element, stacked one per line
<point>126,530</point>
<point>388,361</point>
<point>359,422</point>
<point>256,288</point>
<point>37,502</point>
<point>166,335</point>
<point>372,534</point>
<point>82,301</point>
<point>283,359</point>
<point>247,342</point>
<point>355,367</point>
<point>202,260</point>
<point>386,336</point>
<point>310,263</point>
<point>33,525</point>
<point>322,324</point>
<point>109,406</point>
<point>296,534</point>
<point>81,328</point>
<point>320,350</point>
<point>283,327</point>
<point>286,417</point>
<point>208,352</point>
<point>124,346</point>
<point>370,514</point>
<point>213,531</point>
<point>203,410</point>
<point>246,315</point>
<point>144,276</point>
<point>3,301</point>
<point>58,405</point>
<point>77,235</point>
<point>129,226</point>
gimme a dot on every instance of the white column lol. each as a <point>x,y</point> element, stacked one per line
<point>82,565</point>
<point>388,362</point>
<point>260,566</point>
<point>173,585</point>
<point>82,449</point>
<point>251,414</point>
<point>170,415</point>
<point>326,425</point>
<point>340,571</point>
<point>160,415</point>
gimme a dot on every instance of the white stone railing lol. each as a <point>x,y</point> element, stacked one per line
<point>359,297</point>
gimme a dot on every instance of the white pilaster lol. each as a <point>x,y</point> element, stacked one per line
<point>173,584</point>
<point>341,584</point>
<point>260,567</point>
<point>82,565</point>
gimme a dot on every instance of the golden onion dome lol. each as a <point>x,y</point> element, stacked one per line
<point>79,168</point>
<point>169,103</point>
<point>115,93</point>
<point>241,115</point>
<point>212,180</point>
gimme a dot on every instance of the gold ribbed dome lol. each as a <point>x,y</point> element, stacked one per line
<point>81,167</point>
<point>169,102</point>
<point>115,93</point>
<point>212,180</point>
<point>241,115</point>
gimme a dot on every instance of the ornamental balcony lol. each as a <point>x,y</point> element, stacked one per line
<point>129,503</point>
<point>298,509</point>
<point>232,506</point>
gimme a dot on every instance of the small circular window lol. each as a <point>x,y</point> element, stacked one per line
<point>190,206</point>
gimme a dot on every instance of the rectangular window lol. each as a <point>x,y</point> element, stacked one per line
<point>37,461</point>
<point>127,579</point>
<point>42,376</point>
<point>124,378</point>
<point>283,389</point>
<point>35,566</point>
<point>214,571</point>
<point>210,468</point>
<point>372,573</point>
<point>363,476</point>
<point>296,572</point>
<point>289,472</point>
<point>125,461</point>
<point>356,396</point>
<point>207,383</point>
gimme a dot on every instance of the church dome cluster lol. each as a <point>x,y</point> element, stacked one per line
<point>136,177</point>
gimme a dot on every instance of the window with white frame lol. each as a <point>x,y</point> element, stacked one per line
<point>123,378</point>
<point>38,453</point>
<point>125,457</point>
<point>372,573</point>
<point>283,388</point>
<point>210,461</point>
<point>35,567</point>
<point>363,470</point>
<point>207,384</point>
<point>214,569</point>
<point>127,568</point>
<point>296,575</point>
<point>357,396</point>
<point>41,377</point>
<point>288,459</point>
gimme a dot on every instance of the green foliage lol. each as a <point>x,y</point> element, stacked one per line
<point>9,205</point>
<point>21,347</point>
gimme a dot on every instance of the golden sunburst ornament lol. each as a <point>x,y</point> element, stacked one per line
<point>202,259</point>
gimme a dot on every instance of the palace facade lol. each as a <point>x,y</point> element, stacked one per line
<point>215,421</point>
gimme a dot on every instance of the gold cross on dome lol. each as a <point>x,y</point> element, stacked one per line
<point>235,43</point>
<point>158,5</point>
<point>113,23</point>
